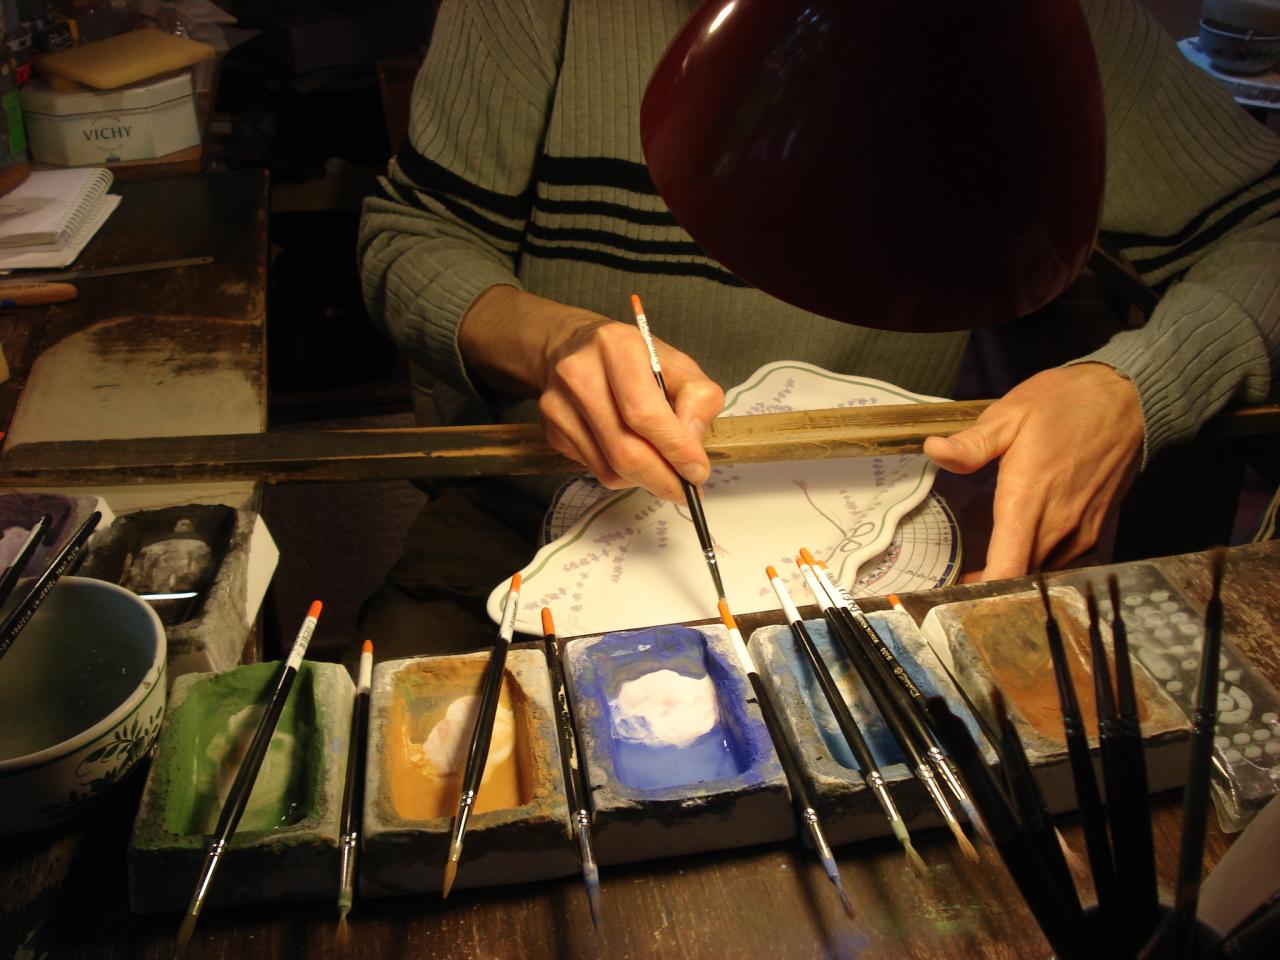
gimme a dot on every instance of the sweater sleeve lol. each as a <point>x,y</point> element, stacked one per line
<point>447,220</point>
<point>1192,198</point>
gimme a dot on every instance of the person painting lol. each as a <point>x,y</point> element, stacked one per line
<point>501,247</point>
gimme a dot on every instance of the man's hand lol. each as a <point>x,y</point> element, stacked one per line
<point>600,403</point>
<point>1069,442</point>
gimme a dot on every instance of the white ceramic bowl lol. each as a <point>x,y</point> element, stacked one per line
<point>82,693</point>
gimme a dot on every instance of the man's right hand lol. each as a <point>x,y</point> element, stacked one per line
<point>600,403</point>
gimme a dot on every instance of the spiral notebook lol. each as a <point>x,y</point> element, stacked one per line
<point>49,207</point>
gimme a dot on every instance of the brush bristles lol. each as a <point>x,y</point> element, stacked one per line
<point>450,872</point>
<point>591,877</point>
<point>913,857</point>
<point>1217,564</point>
<point>184,934</point>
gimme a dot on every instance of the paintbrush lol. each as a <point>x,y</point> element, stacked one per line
<point>1128,797</point>
<point>1175,932</point>
<point>63,561</point>
<point>575,786</point>
<point>353,794</point>
<point>691,495</point>
<point>1119,770</point>
<point>896,679</point>
<point>478,754</point>
<point>1086,783</point>
<point>9,579</point>
<point>903,726</point>
<point>242,786</point>
<point>844,719</point>
<point>1020,857</point>
<point>1031,810</point>
<point>787,758</point>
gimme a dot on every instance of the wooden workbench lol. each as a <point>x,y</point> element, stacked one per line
<point>62,893</point>
<point>179,351</point>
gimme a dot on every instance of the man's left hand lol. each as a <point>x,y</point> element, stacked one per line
<point>1069,442</point>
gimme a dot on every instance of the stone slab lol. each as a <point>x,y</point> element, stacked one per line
<point>632,823</point>
<point>286,847</point>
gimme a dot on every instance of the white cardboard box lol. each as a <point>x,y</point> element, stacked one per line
<point>137,122</point>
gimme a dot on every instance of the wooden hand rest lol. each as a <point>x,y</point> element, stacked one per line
<point>490,450</point>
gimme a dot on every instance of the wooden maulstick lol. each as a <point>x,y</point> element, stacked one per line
<point>478,754</point>
<point>353,794</point>
<point>242,786</point>
<point>790,765</point>
<point>844,719</point>
<point>691,495</point>
<point>575,785</point>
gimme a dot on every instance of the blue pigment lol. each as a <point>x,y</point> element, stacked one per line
<point>884,748</point>
<point>722,753</point>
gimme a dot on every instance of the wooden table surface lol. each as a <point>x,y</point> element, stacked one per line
<point>62,893</point>
<point>221,215</point>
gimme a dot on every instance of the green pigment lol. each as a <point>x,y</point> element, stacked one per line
<point>214,725</point>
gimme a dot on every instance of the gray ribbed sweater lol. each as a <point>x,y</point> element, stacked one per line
<point>523,166</point>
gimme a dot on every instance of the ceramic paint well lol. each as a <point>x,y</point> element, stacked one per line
<point>69,668</point>
<point>215,724</point>
<point>427,735</point>
<point>884,747</point>
<point>668,722</point>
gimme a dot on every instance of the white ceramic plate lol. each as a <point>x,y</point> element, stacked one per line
<point>634,560</point>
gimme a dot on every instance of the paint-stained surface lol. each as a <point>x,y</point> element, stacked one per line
<point>661,786</point>
<point>427,736</point>
<point>419,722</point>
<point>285,847</point>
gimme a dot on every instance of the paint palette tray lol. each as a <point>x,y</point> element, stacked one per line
<point>286,846</point>
<point>848,808</point>
<point>678,758</point>
<point>210,550</point>
<point>421,717</point>
<point>1000,641</point>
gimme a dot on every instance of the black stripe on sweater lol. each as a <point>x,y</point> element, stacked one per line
<point>499,232</point>
<point>673,248</point>
<point>432,178</point>
<point>1214,233</point>
<point>602,208</point>
<point>595,172</point>
<point>678,268</point>
<point>1124,241</point>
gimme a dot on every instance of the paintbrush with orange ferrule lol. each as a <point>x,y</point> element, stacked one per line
<point>242,786</point>
<point>844,719</point>
<point>691,495</point>
<point>787,758</point>
<point>914,743</point>
<point>575,784</point>
<point>478,754</point>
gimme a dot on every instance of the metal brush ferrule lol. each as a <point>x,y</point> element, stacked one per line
<point>876,782</point>
<point>347,847</point>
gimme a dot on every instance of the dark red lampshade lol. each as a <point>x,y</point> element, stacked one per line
<point>905,164</point>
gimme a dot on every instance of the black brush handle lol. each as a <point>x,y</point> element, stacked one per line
<point>478,754</point>
<point>353,791</point>
<point>14,571</point>
<point>1083,778</point>
<point>1131,838</point>
<point>242,786</point>
<point>1029,873</point>
<point>21,615</point>
<point>570,763</point>
<point>835,699</point>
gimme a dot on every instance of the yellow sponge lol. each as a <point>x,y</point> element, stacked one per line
<point>123,59</point>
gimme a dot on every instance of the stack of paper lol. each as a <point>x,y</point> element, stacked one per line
<point>47,220</point>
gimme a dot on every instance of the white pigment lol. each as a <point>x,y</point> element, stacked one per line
<point>665,708</point>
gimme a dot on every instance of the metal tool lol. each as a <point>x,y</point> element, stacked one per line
<point>112,271</point>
